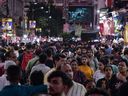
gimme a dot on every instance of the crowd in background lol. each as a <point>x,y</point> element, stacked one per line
<point>64,69</point>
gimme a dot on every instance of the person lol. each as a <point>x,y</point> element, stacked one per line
<point>97,92</point>
<point>89,84</point>
<point>123,90</point>
<point>93,61</point>
<point>37,78</point>
<point>78,76</point>
<point>58,62</point>
<point>122,74</point>
<point>99,73</point>
<point>33,61</point>
<point>49,61</point>
<point>61,85</point>
<point>41,66</point>
<point>85,68</point>
<point>14,75</point>
<point>3,79</point>
<point>112,81</point>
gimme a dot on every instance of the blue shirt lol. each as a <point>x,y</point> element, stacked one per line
<point>22,90</point>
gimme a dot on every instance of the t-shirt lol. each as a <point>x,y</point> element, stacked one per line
<point>17,90</point>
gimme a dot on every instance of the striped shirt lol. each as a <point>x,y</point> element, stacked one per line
<point>76,90</point>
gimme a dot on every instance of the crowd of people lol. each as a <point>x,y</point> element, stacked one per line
<point>64,69</point>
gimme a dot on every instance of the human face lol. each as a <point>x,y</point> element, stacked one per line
<point>89,53</point>
<point>56,86</point>
<point>68,70</point>
<point>74,65</point>
<point>68,60</point>
<point>108,71</point>
<point>122,66</point>
<point>101,66</point>
<point>84,60</point>
<point>62,60</point>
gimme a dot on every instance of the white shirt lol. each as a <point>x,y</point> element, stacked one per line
<point>76,90</point>
<point>98,75</point>
<point>40,67</point>
<point>3,81</point>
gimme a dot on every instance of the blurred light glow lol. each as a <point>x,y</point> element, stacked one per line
<point>98,11</point>
<point>25,36</point>
<point>42,7</point>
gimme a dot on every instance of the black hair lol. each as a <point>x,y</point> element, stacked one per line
<point>97,91</point>
<point>62,55</point>
<point>99,83</point>
<point>42,58</point>
<point>73,60</point>
<point>37,78</point>
<point>48,52</point>
<point>38,52</point>
<point>56,57</point>
<point>66,80</point>
<point>123,90</point>
<point>104,60</point>
<point>13,73</point>
<point>125,51</point>
<point>108,66</point>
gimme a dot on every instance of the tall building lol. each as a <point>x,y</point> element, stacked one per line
<point>15,8</point>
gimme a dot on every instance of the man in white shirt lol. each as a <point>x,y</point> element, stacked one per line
<point>61,85</point>
<point>41,66</point>
<point>77,89</point>
<point>3,79</point>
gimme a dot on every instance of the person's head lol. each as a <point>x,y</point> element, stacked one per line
<point>14,73</point>
<point>74,65</point>
<point>89,84</point>
<point>78,50</point>
<point>62,58</point>
<point>84,60</point>
<point>108,71</point>
<point>102,83</point>
<point>48,52</point>
<point>68,60</point>
<point>57,61</point>
<point>122,66</point>
<point>66,68</point>
<point>101,51</point>
<point>96,92</point>
<point>58,81</point>
<point>84,50</point>
<point>123,90</point>
<point>38,52</point>
<point>36,78</point>
<point>102,63</point>
<point>8,63</point>
<point>42,58</point>
<point>126,51</point>
<point>11,56</point>
<point>89,53</point>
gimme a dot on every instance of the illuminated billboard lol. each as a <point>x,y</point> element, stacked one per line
<point>7,24</point>
<point>32,24</point>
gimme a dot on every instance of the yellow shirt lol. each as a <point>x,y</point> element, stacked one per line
<point>87,71</point>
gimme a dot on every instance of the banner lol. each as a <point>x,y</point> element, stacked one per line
<point>126,34</point>
<point>7,24</point>
<point>32,24</point>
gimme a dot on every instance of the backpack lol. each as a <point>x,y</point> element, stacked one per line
<point>26,57</point>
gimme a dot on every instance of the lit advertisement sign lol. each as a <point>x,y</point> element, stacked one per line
<point>7,24</point>
<point>32,24</point>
